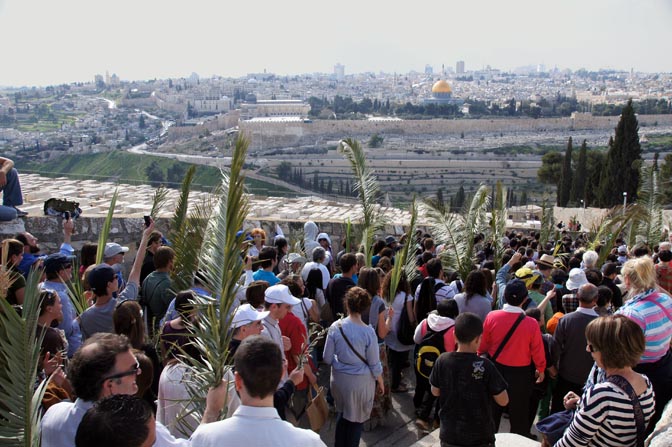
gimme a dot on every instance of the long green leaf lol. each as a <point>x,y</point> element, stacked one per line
<point>498,223</point>
<point>105,231</point>
<point>20,354</point>
<point>159,200</point>
<point>403,256</point>
<point>368,190</point>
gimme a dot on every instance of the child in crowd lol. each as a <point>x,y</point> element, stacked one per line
<point>466,385</point>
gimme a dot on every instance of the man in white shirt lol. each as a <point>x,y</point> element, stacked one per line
<point>258,366</point>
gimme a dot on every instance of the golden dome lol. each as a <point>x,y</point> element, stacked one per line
<point>441,87</point>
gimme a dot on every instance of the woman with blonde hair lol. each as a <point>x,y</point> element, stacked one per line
<point>651,308</point>
<point>614,412</point>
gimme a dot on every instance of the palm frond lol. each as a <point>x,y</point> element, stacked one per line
<point>180,216</point>
<point>649,210</point>
<point>547,222</point>
<point>403,256</point>
<point>498,223</point>
<point>20,355</point>
<point>105,231</point>
<point>159,200</point>
<point>76,291</point>
<point>611,227</point>
<point>368,190</point>
<point>221,263</point>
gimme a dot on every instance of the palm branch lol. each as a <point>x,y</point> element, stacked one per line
<point>76,291</point>
<point>159,200</point>
<point>220,261</point>
<point>105,231</point>
<point>547,223</point>
<point>20,356</point>
<point>366,185</point>
<point>403,256</point>
<point>648,210</point>
<point>612,225</point>
<point>498,223</point>
<point>457,231</point>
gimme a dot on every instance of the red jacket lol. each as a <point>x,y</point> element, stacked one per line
<point>291,327</point>
<point>525,345</point>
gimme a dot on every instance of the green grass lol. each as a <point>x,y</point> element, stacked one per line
<point>123,167</point>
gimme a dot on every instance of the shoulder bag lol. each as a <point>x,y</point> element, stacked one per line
<point>507,337</point>
<point>360,356</point>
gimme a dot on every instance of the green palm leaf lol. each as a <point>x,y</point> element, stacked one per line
<point>20,354</point>
<point>498,223</point>
<point>648,210</point>
<point>220,261</point>
<point>547,223</point>
<point>368,190</point>
<point>105,231</point>
<point>159,200</point>
<point>403,257</point>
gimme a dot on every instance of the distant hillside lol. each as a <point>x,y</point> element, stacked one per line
<point>123,167</point>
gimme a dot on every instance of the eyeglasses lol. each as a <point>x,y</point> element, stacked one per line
<point>134,371</point>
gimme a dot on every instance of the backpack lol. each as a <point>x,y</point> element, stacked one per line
<point>433,344</point>
<point>405,328</point>
<point>58,207</point>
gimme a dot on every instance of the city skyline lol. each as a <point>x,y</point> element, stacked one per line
<point>70,42</point>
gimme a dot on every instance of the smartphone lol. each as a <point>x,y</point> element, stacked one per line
<point>66,215</point>
<point>148,221</point>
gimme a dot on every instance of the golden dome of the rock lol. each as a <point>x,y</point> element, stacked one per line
<point>441,87</point>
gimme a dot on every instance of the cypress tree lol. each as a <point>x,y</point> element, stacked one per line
<point>621,170</point>
<point>579,183</point>
<point>565,189</point>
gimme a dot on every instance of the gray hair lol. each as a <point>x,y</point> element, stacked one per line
<point>319,254</point>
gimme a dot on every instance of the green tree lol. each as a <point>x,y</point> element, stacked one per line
<point>284,170</point>
<point>141,121</point>
<point>595,164</point>
<point>375,141</point>
<point>579,179</point>
<point>624,159</point>
<point>176,172</point>
<point>154,174</point>
<point>523,198</point>
<point>565,187</point>
<point>665,176</point>
<point>459,200</point>
<point>551,168</point>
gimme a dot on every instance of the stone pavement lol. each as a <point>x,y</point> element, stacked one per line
<point>400,430</point>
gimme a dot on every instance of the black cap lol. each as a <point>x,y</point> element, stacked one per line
<point>99,277</point>
<point>56,262</point>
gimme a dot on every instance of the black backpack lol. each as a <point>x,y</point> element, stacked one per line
<point>429,350</point>
<point>405,328</point>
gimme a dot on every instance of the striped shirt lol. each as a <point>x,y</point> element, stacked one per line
<point>656,325</point>
<point>606,417</point>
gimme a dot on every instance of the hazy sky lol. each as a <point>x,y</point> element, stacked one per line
<point>54,41</point>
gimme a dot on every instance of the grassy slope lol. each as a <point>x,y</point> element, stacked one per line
<point>124,167</point>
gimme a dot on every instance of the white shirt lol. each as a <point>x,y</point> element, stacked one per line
<point>302,311</point>
<point>60,423</point>
<point>315,265</point>
<point>254,427</point>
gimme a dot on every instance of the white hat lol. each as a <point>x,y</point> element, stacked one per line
<point>246,314</point>
<point>112,249</point>
<point>295,257</point>
<point>279,294</point>
<point>577,278</point>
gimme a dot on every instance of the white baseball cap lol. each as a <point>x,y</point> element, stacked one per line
<point>280,294</point>
<point>246,314</point>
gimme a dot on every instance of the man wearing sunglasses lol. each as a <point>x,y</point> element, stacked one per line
<point>104,366</point>
<point>58,269</point>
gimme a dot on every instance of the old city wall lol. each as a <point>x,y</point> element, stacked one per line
<point>269,134</point>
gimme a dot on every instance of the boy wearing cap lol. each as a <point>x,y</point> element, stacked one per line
<point>278,301</point>
<point>114,256</point>
<point>103,282</point>
<point>524,347</point>
<point>58,269</point>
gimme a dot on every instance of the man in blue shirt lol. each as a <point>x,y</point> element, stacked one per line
<point>268,257</point>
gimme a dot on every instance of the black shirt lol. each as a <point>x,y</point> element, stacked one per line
<point>336,292</point>
<point>467,383</point>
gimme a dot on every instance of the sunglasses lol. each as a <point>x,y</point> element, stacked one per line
<point>134,371</point>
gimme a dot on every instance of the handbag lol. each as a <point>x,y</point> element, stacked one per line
<point>317,408</point>
<point>405,328</point>
<point>553,427</point>
<point>326,314</point>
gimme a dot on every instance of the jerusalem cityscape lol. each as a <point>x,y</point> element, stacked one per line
<point>394,225</point>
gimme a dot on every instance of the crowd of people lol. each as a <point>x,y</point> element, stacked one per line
<point>542,334</point>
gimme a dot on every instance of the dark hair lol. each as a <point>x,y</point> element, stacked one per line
<point>402,286</point>
<point>183,306</point>
<point>163,256</point>
<point>640,250</point>
<point>604,296</point>
<point>468,327</point>
<point>279,243</point>
<point>292,284</point>
<point>14,248</point>
<point>118,420</point>
<point>428,244</point>
<point>475,284</point>
<point>258,361</point>
<point>377,246</point>
<point>145,379</point>
<point>266,257</point>
<point>426,301</point>
<point>434,267</point>
<point>47,298</point>
<point>357,300</point>
<point>155,236</point>
<point>88,254</point>
<point>609,269</point>
<point>313,282</point>
<point>128,321</point>
<point>255,293</point>
<point>535,313</point>
<point>425,257</point>
<point>559,276</point>
<point>448,308</point>
<point>594,276</point>
<point>95,359</point>
<point>369,280</point>
<point>387,251</point>
<point>665,255</point>
<point>347,261</point>
<point>384,263</point>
